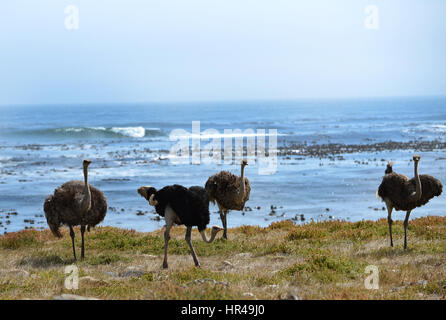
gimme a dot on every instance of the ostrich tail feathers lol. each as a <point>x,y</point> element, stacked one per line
<point>376,195</point>
<point>211,198</point>
<point>55,231</point>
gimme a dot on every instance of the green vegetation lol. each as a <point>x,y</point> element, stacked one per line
<point>317,260</point>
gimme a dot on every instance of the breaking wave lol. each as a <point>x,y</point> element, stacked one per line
<point>102,132</point>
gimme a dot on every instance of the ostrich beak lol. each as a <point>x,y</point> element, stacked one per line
<point>143,192</point>
<point>216,229</point>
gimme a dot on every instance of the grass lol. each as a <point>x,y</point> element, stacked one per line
<point>317,260</point>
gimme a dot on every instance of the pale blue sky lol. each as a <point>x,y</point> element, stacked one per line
<point>192,50</point>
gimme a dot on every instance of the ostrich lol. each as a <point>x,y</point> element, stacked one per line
<point>400,193</point>
<point>75,203</point>
<point>231,192</point>
<point>389,168</point>
<point>180,205</point>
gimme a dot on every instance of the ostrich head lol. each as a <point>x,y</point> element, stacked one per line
<point>148,192</point>
<point>416,158</point>
<point>389,168</point>
<point>244,162</point>
<point>216,229</point>
<point>86,163</point>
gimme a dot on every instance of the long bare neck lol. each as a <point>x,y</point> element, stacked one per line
<point>241,192</point>
<point>417,194</point>
<point>205,239</point>
<point>86,200</point>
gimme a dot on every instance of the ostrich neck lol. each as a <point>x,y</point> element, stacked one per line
<point>205,239</point>
<point>86,200</point>
<point>241,192</point>
<point>417,194</point>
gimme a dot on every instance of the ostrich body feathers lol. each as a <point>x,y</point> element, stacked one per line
<point>61,207</point>
<point>224,188</point>
<point>397,189</point>
<point>191,206</point>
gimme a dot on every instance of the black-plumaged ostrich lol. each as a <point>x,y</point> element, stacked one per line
<point>179,205</point>
<point>400,193</point>
<point>75,203</point>
<point>231,192</point>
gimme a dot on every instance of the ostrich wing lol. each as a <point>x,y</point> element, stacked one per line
<point>66,202</point>
<point>224,187</point>
<point>62,207</point>
<point>397,188</point>
<point>98,208</point>
<point>190,205</point>
<point>52,216</point>
<point>199,206</point>
<point>430,187</point>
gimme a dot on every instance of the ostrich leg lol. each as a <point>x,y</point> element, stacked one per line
<point>406,223</point>
<point>83,247</point>
<point>72,241</point>
<point>166,244</point>
<point>223,214</point>
<point>169,216</point>
<point>188,240</point>
<point>389,221</point>
<point>223,221</point>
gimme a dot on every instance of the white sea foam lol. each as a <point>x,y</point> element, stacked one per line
<point>439,127</point>
<point>204,135</point>
<point>134,132</point>
<point>432,128</point>
<point>98,128</point>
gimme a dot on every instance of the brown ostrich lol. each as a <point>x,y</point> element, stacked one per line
<point>180,205</point>
<point>231,192</point>
<point>400,193</point>
<point>75,203</point>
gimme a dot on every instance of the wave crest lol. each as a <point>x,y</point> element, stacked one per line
<point>103,132</point>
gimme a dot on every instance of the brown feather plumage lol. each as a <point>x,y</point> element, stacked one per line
<point>60,208</point>
<point>397,188</point>
<point>224,187</point>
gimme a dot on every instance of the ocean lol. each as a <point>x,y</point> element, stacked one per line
<point>331,156</point>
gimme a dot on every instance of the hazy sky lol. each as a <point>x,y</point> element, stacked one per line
<point>189,50</point>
